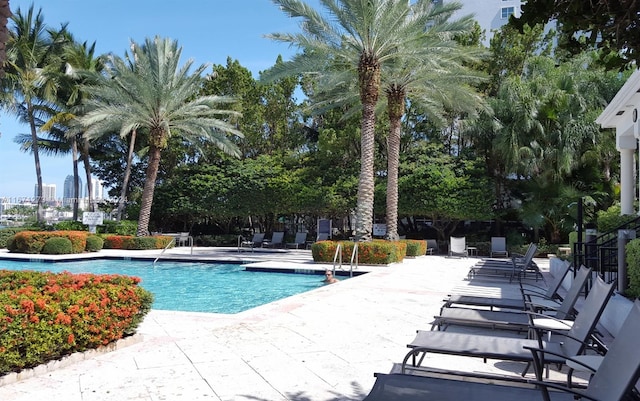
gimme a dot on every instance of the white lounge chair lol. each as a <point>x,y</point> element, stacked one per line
<point>458,246</point>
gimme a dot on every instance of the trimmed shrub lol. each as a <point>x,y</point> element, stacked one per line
<point>415,247</point>
<point>142,243</point>
<point>376,252</point>
<point>7,233</point>
<point>33,241</point>
<point>632,250</point>
<point>46,316</point>
<point>94,243</point>
<point>57,246</point>
<point>11,244</point>
<point>115,241</point>
<point>131,242</point>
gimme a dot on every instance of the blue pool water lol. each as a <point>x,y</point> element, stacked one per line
<point>195,287</point>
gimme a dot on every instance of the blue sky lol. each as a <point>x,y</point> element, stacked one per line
<point>208,31</point>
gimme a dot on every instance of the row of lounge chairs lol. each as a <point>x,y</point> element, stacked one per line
<point>517,267</point>
<point>277,241</point>
<point>614,375</point>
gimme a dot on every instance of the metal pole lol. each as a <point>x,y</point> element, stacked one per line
<point>624,236</point>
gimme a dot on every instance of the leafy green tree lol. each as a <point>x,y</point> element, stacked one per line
<point>444,188</point>
<point>440,82</point>
<point>151,91</point>
<point>610,25</point>
<point>34,56</point>
<point>354,38</point>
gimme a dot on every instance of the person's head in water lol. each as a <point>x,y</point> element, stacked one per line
<point>328,277</point>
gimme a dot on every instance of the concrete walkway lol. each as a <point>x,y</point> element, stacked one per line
<point>321,345</point>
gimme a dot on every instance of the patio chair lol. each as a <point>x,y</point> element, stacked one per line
<point>184,239</point>
<point>300,242</point>
<point>517,267</point>
<point>322,237</point>
<point>458,247</point>
<point>499,247</point>
<point>570,343</point>
<point>432,246</point>
<point>514,320</point>
<point>276,241</point>
<point>614,379</point>
<point>256,241</point>
<point>544,299</point>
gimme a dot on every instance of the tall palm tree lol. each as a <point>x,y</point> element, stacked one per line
<point>356,36</point>
<point>34,56</point>
<point>150,90</point>
<point>440,82</point>
<point>5,14</point>
<point>81,65</point>
<point>66,133</point>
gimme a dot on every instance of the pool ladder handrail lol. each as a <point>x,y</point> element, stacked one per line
<point>338,257</point>
<point>173,240</point>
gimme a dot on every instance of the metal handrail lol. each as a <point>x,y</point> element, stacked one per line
<point>335,256</point>
<point>354,255</point>
<point>165,248</point>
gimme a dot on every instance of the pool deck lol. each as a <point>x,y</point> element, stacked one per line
<point>322,345</point>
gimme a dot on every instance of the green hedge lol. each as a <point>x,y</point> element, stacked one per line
<point>136,243</point>
<point>376,252</point>
<point>57,246</point>
<point>415,247</point>
<point>633,267</point>
<point>94,243</point>
<point>45,316</point>
<point>32,242</point>
<point>7,233</point>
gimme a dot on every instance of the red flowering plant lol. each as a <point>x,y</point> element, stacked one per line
<point>45,316</point>
<point>116,241</point>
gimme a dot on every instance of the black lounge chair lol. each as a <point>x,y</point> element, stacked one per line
<point>514,320</point>
<point>517,267</point>
<point>544,299</point>
<point>570,343</point>
<point>614,380</point>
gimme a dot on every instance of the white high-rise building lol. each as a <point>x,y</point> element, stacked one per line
<point>48,192</point>
<point>490,14</point>
<point>97,189</point>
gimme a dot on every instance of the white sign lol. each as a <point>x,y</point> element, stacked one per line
<point>379,230</point>
<point>92,218</point>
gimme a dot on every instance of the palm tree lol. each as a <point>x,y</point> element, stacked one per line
<point>440,82</point>
<point>149,90</point>
<point>5,14</point>
<point>356,36</point>
<point>34,55</point>
<point>81,65</point>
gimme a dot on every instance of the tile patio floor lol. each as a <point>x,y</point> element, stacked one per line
<point>323,345</point>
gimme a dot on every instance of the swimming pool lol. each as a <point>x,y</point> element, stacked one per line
<point>192,287</point>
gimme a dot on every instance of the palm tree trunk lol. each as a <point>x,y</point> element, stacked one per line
<point>87,169</point>
<point>395,107</point>
<point>127,175</point>
<point>76,177</point>
<point>149,188</point>
<point>369,83</point>
<point>36,159</point>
